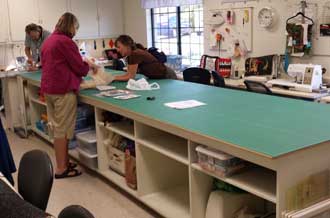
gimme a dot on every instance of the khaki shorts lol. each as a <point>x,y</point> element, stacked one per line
<point>61,110</point>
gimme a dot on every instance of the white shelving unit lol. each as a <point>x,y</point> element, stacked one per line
<point>169,180</point>
<point>173,202</point>
<point>118,180</point>
<point>264,186</point>
<point>42,134</point>
<point>38,101</point>
<point>125,129</point>
<point>168,144</point>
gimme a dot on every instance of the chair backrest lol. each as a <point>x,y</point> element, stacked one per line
<point>35,178</point>
<point>197,75</point>
<point>218,80</point>
<point>258,87</point>
<point>75,211</point>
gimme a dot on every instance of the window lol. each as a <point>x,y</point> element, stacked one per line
<point>179,31</point>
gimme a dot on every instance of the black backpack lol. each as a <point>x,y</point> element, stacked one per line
<point>160,56</point>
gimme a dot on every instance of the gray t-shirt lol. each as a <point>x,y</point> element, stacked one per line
<point>35,46</point>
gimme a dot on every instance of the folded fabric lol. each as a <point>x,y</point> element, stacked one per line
<point>100,78</point>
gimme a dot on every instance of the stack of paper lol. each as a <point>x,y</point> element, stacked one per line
<point>184,104</point>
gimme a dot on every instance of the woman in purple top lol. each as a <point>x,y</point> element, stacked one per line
<point>62,72</point>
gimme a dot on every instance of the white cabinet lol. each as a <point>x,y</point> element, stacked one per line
<point>97,18</point>
<point>86,12</point>
<point>110,17</point>
<point>50,11</point>
<point>21,14</point>
<point>3,21</point>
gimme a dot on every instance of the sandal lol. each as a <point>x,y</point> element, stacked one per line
<point>72,165</point>
<point>69,172</point>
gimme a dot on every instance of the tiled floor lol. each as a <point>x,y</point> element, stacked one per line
<point>102,199</point>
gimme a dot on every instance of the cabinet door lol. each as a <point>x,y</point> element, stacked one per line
<point>3,21</point>
<point>21,14</point>
<point>86,12</point>
<point>50,11</point>
<point>110,17</point>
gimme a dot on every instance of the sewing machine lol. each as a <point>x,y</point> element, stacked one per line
<point>308,77</point>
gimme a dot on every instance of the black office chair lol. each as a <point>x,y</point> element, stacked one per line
<point>35,178</point>
<point>218,80</point>
<point>258,87</point>
<point>75,211</point>
<point>197,75</point>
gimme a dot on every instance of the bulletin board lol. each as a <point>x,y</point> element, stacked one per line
<point>240,30</point>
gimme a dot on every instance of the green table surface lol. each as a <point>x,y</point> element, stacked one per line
<point>268,125</point>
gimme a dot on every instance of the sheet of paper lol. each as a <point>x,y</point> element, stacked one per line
<point>125,97</point>
<point>105,88</point>
<point>184,104</point>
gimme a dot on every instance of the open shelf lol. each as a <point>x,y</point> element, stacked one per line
<point>258,181</point>
<point>163,142</point>
<point>124,128</point>
<point>171,203</point>
<point>118,180</point>
<point>169,145</point>
<point>42,134</point>
<point>38,101</point>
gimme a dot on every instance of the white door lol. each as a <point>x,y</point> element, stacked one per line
<point>3,21</point>
<point>50,11</point>
<point>86,12</point>
<point>21,14</point>
<point>110,17</point>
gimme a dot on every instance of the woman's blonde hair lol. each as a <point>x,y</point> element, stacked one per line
<point>68,24</point>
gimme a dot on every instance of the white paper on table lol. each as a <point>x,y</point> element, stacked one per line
<point>184,104</point>
<point>105,88</point>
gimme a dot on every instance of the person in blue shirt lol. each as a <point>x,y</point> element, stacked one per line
<point>7,164</point>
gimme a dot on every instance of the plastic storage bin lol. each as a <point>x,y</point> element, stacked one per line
<point>90,160</point>
<point>220,163</point>
<point>87,142</point>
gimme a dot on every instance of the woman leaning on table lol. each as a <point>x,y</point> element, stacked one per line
<point>62,72</point>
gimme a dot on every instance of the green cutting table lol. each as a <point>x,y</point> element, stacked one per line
<point>288,139</point>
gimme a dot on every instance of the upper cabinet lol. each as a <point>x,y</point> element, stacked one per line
<point>21,14</point>
<point>86,12</point>
<point>110,17</point>
<point>50,11</point>
<point>3,21</point>
<point>97,18</point>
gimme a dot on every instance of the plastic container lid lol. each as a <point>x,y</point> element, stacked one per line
<point>88,137</point>
<point>85,154</point>
<point>214,153</point>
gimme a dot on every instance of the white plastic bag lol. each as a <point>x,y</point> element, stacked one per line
<point>141,84</point>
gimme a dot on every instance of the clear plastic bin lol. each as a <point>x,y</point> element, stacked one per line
<point>87,142</point>
<point>218,162</point>
<point>90,160</point>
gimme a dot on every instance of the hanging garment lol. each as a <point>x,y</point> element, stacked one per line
<point>7,164</point>
<point>299,39</point>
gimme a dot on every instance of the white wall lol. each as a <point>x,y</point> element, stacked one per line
<point>135,21</point>
<point>264,41</point>
<point>273,41</point>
